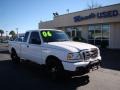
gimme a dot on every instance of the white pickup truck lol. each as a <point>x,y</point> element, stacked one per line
<point>53,48</point>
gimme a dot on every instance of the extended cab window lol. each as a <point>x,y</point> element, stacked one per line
<point>26,37</point>
<point>34,38</point>
<point>20,39</point>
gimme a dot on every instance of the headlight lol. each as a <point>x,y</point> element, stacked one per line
<point>73,56</point>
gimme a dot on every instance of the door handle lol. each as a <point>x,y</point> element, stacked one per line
<point>27,46</point>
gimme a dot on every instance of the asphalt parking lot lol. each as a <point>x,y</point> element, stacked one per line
<point>33,77</point>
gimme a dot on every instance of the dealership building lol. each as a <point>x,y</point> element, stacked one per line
<point>96,25</point>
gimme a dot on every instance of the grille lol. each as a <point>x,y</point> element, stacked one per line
<point>86,54</point>
<point>93,53</point>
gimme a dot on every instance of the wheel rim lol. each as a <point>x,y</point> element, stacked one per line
<point>53,72</point>
<point>53,69</point>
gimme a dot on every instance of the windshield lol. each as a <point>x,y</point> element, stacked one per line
<point>54,36</point>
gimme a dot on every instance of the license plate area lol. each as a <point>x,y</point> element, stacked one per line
<point>94,65</point>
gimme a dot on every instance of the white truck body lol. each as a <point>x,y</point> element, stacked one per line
<point>71,54</point>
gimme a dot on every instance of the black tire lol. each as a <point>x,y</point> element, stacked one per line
<point>15,57</point>
<point>55,69</point>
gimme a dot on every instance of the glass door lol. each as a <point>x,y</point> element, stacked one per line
<point>73,32</point>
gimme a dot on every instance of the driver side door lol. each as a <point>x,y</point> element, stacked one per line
<point>34,47</point>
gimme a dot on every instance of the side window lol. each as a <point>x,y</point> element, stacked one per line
<point>26,37</point>
<point>35,38</point>
<point>19,39</point>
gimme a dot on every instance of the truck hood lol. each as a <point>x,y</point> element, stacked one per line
<point>72,45</point>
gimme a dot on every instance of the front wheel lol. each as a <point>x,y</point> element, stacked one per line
<point>55,69</point>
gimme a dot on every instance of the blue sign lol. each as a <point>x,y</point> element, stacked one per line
<point>105,14</point>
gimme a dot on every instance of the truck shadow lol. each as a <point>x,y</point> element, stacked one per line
<point>34,77</point>
<point>110,59</point>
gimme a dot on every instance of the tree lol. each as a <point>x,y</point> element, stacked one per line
<point>93,5</point>
<point>12,33</point>
<point>1,32</point>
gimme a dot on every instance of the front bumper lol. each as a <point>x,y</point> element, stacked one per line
<point>93,64</point>
<point>81,66</point>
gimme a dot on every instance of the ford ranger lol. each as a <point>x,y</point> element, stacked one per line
<point>54,49</point>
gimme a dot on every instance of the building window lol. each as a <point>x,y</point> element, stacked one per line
<point>69,34</point>
<point>98,34</point>
<point>74,32</point>
<point>78,32</point>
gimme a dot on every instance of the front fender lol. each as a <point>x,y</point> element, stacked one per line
<point>60,54</point>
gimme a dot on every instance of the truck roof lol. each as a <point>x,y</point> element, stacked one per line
<point>43,30</point>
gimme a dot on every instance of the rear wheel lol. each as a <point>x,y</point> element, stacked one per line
<point>15,57</point>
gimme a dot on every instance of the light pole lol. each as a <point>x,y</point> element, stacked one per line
<point>68,11</point>
<point>17,31</point>
<point>6,35</point>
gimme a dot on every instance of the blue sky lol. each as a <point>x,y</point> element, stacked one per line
<point>26,14</point>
